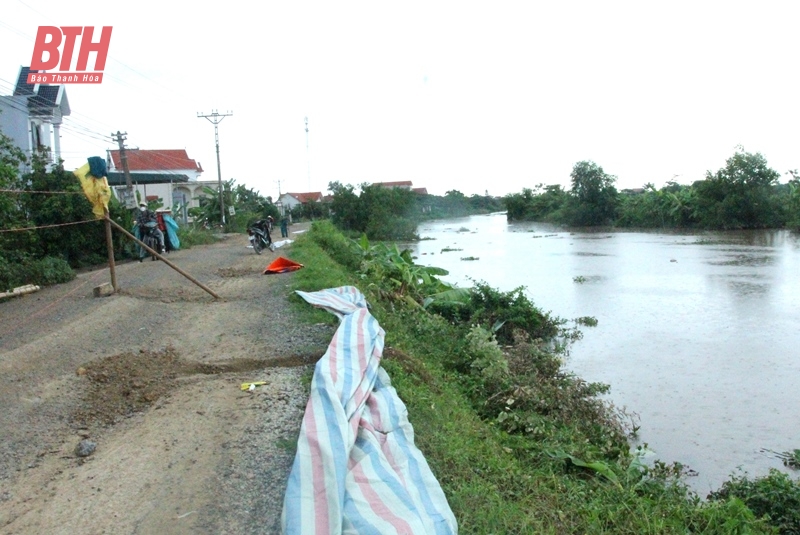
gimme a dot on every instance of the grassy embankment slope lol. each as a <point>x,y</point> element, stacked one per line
<point>518,444</point>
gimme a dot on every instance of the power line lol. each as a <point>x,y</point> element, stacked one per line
<point>41,191</point>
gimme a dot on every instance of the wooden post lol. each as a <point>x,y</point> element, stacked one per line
<point>167,262</point>
<point>110,245</point>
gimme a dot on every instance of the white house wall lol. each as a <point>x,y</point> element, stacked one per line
<point>163,191</point>
<point>14,122</point>
<point>288,201</point>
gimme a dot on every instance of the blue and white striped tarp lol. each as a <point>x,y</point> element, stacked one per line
<point>357,469</point>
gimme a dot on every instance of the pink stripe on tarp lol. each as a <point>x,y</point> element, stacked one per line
<point>376,503</point>
<point>362,350</point>
<point>321,517</point>
<point>373,406</point>
<point>334,348</point>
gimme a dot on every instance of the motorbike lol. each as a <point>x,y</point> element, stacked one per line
<point>259,236</point>
<point>148,236</point>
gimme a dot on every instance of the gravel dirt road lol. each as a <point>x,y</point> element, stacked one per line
<point>151,376</point>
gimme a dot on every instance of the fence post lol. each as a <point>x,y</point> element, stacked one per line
<point>110,245</point>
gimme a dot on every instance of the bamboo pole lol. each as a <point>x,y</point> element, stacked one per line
<point>20,290</point>
<point>167,262</point>
<point>110,245</point>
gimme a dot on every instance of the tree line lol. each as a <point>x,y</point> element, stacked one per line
<point>383,213</point>
<point>745,194</point>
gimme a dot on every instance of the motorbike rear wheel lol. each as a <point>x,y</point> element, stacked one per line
<point>151,241</point>
<point>257,244</point>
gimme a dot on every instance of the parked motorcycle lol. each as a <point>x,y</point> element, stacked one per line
<point>259,236</point>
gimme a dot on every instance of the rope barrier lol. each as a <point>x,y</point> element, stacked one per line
<point>48,226</point>
<point>41,191</point>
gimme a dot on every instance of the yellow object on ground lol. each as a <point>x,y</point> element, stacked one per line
<point>246,386</point>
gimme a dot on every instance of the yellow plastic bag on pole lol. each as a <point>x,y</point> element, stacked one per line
<point>95,188</point>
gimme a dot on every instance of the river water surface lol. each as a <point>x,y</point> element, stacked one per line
<point>698,334</point>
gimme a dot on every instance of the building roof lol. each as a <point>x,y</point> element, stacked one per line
<point>118,179</point>
<point>156,160</point>
<point>23,87</point>
<point>44,99</point>
<point>44,102</point>
<point>314,196</point>
<point>421,191</point>
<point>398,184</point>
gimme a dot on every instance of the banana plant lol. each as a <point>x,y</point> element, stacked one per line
<point>395,270</point>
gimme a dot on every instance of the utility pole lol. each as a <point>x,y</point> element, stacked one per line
<point>216,118</point>
<point>308,158</point>
<point>120,138</point>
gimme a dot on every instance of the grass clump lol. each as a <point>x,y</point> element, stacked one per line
<point>189,236</point>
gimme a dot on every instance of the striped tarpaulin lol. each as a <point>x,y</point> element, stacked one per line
<point>357,469</point>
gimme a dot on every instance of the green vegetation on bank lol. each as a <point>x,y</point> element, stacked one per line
<point>518,444</point>
<point>744,194</point>
<point>385,213</point>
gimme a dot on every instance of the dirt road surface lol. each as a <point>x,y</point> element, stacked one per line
<point>152,377</point>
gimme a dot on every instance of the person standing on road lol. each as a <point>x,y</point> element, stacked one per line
<point>284,227</point>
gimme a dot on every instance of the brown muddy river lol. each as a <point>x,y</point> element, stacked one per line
<point>698,334</point>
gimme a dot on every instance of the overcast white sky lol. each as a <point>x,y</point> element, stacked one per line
<point>460,95</point>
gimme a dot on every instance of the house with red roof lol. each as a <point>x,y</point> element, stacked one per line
<point>165,174</point>
<point>290,200</point>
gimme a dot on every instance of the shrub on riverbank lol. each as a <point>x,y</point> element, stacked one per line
<point>518,444</point>
<point>775,496</point>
